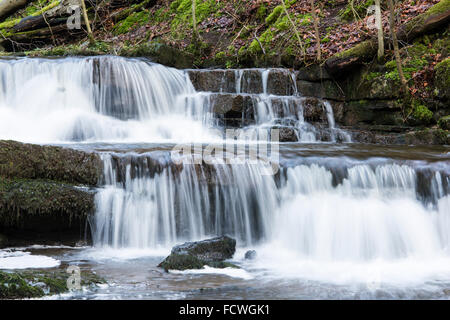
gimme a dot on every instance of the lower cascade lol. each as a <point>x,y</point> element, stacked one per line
<point>350,212</point>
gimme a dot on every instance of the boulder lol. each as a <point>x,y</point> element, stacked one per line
<point>195,255</point>
<point>250,255</point>
<point>286,134</point>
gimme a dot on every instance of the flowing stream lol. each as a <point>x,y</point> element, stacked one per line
<point>335,220</point>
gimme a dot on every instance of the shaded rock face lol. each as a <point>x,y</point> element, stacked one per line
<point>43,205</point>
<point>3,241</point>
<point>195,255</point>
<point>45,192</point>
<point>252,81</point>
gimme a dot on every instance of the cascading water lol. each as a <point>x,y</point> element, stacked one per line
<point>97,99</point>
<point>316,215</point>
<point>144,209</point>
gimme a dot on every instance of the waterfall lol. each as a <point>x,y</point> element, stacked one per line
<point>97,99</point>
<point>141,208</point>
<point>372,214</point>
<point>362,212</point>
<point>322,209</point>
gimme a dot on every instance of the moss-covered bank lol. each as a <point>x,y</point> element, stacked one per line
<point>39,283</point>
<point>28,161</point>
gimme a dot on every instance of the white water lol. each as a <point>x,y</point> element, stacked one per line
<point>307,226</point>
<point>97,99</point>
<point>24,260</point>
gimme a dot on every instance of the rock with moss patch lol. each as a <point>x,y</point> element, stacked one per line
<point>38,283</point>
<point>42,206</point>
<point>442,79</point>
<point>444,123</point>
<point>29,161</point>
<point>195,255</point>
<point>428,136</point>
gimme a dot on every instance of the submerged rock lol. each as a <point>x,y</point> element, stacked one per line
<point>250,255</point>
<point>195,255</point>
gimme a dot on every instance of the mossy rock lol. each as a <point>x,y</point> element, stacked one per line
<point>14,286</point>
<point>195,255</point>
<point>444,123</point>
<point>43,205</point>
<point>350,58</point>
<point>38,283</point>
<point>28,161</point>
<point>442,79</point>
<point>428,137</point>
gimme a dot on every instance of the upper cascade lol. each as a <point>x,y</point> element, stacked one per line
<point>116,99</point>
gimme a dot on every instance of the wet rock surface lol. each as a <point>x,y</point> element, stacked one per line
<point>250,255</point>
<point>195,255</point>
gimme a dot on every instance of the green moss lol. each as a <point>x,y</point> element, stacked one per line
<point>265,39</point>
<point>34,7</point>
<point>363,49</point>
<point>442,73</point>
<point>262,12</point>
<point>360,7</point>
<point>22,200</point>
<point>391,64</point>
<point>444,122</point>
<point>282,23</point>
<point>274,15</point>
<point>37,283</point>
<point>372,75</point>
<point>134,20</point>
<point>182,9</point>
<point>422,114</point>
<point>221,55</point>
<point>14,286</point>
<point>305,19</point>
<point>27,161</point>
<point>325,39</point>
<point>441,7</point>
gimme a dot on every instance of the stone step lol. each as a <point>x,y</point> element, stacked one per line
<point>281,82</point>
<point>252,108</point>
<point>256,81</point>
